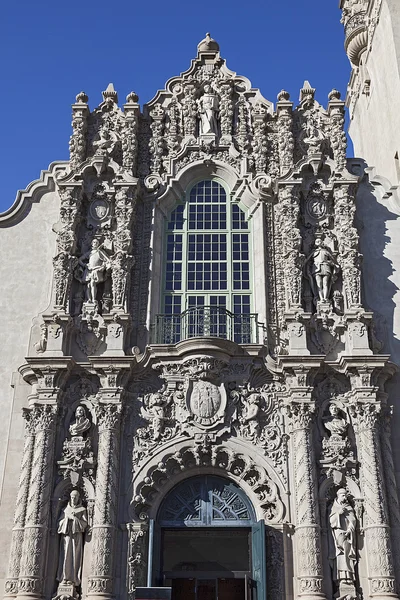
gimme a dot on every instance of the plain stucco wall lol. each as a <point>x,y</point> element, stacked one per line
<point>26,251</point>
<point>375,121</point>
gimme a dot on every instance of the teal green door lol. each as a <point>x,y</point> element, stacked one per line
<point>259,567</point>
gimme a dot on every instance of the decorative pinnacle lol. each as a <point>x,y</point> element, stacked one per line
<point>334,95</point>
<point>208,45</point>
<point>307,92</point>
<point>110,93</point>
<point>132,98</point>
<point>82,98</point>
<point>283,96</point>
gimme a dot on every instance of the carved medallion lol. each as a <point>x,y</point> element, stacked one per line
<point>99,209</point>
<point>206,403</point>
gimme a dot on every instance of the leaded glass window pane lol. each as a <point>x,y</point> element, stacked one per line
<point>208,265</point>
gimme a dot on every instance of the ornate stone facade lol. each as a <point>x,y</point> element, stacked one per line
<point>295,413</point>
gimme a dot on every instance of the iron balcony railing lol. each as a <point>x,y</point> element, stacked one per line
<point>207,321</point>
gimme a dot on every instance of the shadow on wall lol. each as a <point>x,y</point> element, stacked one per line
<point>378,222</point>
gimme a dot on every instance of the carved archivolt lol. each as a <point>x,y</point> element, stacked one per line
<point>150,487</point>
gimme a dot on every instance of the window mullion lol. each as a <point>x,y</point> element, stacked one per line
<point>185,261</point>
<point>229,255</point>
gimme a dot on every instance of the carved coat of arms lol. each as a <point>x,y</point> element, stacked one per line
<point>206,403</point>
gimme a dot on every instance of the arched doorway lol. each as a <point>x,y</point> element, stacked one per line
<point>206,543</point>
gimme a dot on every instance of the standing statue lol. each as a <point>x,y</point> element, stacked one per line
<point>96,266</point>
<point>71,526</point>
<point>208,108</point>
<point>321,269</point>
<point>81,424</point>
<point>342,552</point>
<point>105,141</point>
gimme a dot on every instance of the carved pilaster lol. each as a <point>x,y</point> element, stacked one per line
<point>377,533</point>
<point>307,533</point>
<point>337,133</point>
<point>64,262</point>
<point>77,143</point>
<point>391,486</point>
<point>17,539</point>
<point>129,135</point>
<point>287,216</point>
<point>100,582</point>
<point>137,555</point>
<point>260,138</point>
<point>226,112</point>
<point>347,235</point>
<point>31,575</point>
<point>285,132</point>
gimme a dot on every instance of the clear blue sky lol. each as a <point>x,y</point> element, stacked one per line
<point>51,50</point>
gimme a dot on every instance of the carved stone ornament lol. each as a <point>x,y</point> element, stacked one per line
<point>220,457</point>
<point>337,457</point>
<point>77,455</point>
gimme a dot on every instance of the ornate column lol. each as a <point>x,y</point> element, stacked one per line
<point>365,415</point>
<point>307,532</point>
<point>391,485</point>
<point>32,565</point>
<point>284,110</point>
<point>347,235</point>
<point>137,555</point>
<point>11,584</point>
<point>101,577</point>
<point>287,213</point>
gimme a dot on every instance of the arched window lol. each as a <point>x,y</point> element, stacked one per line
<point>207,288</point>
<point>206,501</point>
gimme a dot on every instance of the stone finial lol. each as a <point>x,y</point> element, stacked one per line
<point>208,45</point>
<point>334,95</point>
<point>132,98</point>
<point>283,96</point>
<point>82,98</point>
<point>307,92</point>
<point>110,93</point>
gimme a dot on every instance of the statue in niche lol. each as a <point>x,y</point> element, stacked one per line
<point>81,424</point>
<point>105,141</point>
<point>208,109</point>
<point>335,424</point>
<point>71,527</point>
<point>96,267</point>
<point>313,135</point>
<point>342,541</point>
<point>321,269</point>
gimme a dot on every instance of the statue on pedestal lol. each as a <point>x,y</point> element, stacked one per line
<point>321,269</point>
<point>96,267</point>
<point>71,527</point>
<point>342,551</point>
<point>208,107</point>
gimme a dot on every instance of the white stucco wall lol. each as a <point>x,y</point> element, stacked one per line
<point>26,251</point>
<point>375,119</point>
